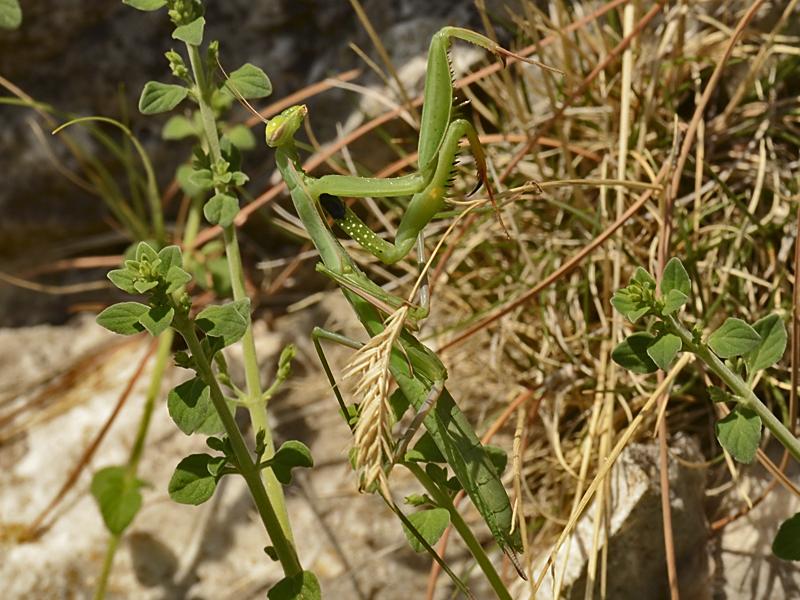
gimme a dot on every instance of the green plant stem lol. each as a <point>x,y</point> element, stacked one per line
<point>738,386</point>
<point>190,230</point>
<point>156,378</point>
<point>256,405</point>
<point>284,547</point>
<point>108,562</point>
<point>443,499</point>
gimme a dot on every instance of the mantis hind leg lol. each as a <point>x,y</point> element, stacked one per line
<point>318,334</point>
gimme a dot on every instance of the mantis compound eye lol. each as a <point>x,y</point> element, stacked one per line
<point>333,205</point>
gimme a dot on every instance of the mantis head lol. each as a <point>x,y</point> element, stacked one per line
<point>281,128</point>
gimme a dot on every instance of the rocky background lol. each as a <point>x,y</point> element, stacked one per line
<point>92,58</point>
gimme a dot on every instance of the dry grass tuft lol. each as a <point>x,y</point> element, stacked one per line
<point>373,440</point>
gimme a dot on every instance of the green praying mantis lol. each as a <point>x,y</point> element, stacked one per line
<point>418,372</point>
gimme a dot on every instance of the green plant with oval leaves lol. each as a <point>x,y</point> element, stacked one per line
<point>736,352</point>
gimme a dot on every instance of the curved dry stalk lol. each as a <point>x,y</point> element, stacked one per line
<point>609,463</point>
<point>373,441</point>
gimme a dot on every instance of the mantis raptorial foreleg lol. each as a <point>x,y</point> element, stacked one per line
<point>439,138</point>
<point>424,204</point>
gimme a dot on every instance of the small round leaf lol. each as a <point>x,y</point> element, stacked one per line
<point>191,33</point>
<point>772,345</point>
<point>733,338</point>
<point>430,524</point>
<point>303,586</point>
<point>740,433</point>
<point>160,97</point>
<point>10,14</point>
<point>192,483</point>
<point>786,544</point>
<point>632,354</point>
<point>123,318</point>
<point>117,496</point>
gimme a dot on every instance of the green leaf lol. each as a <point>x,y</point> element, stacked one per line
<point>183,174</point>
<point>437,473</point>
<point>291,454</point>
<point>430,524</point>
<point>160,97</point>
<point>170,256</point>
<point>146,5</point>
<point>178,127</point>
<point>425,450</point>
<point>192,483</point>
<point>145,252</point>
<point>733,338</point>
<point>719,395</point>
<point>238,178</point>
<point>739,433</point>
<point>673,301</point>
<point>189,404</point>
<point>303,586</point>
<point>664,349</point>
<point>176,277</point>
<point>772,345</point>
<point>142,286</point>
<point>124,279</point>
<point>117,496</point>
<point>786,544</point>
<point>10,14</point>
<point>675,277</point>
<point>241,137</point>
<point>157,319</point>
<point>228,321</point>
<point>221,210</point>
<point>632,309</point>
<point>248,81</point>
<point>123,318</point>
<point>202,179</point>
<point>632,353</point>
<point>498,458</point>
<point>191,33</point>
<point>642,276</point>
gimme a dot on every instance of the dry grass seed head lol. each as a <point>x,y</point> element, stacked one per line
<point>369,367</point>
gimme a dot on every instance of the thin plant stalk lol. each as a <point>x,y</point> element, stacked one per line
<point>153,390</point>
<point>738,386</point>
<point>283,545</point>
<point>475,548</point>
<point>256,404</point>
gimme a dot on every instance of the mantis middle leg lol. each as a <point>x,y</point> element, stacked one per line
<point>318,334</point>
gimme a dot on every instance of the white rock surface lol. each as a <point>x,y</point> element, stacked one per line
<point>636,568</point>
